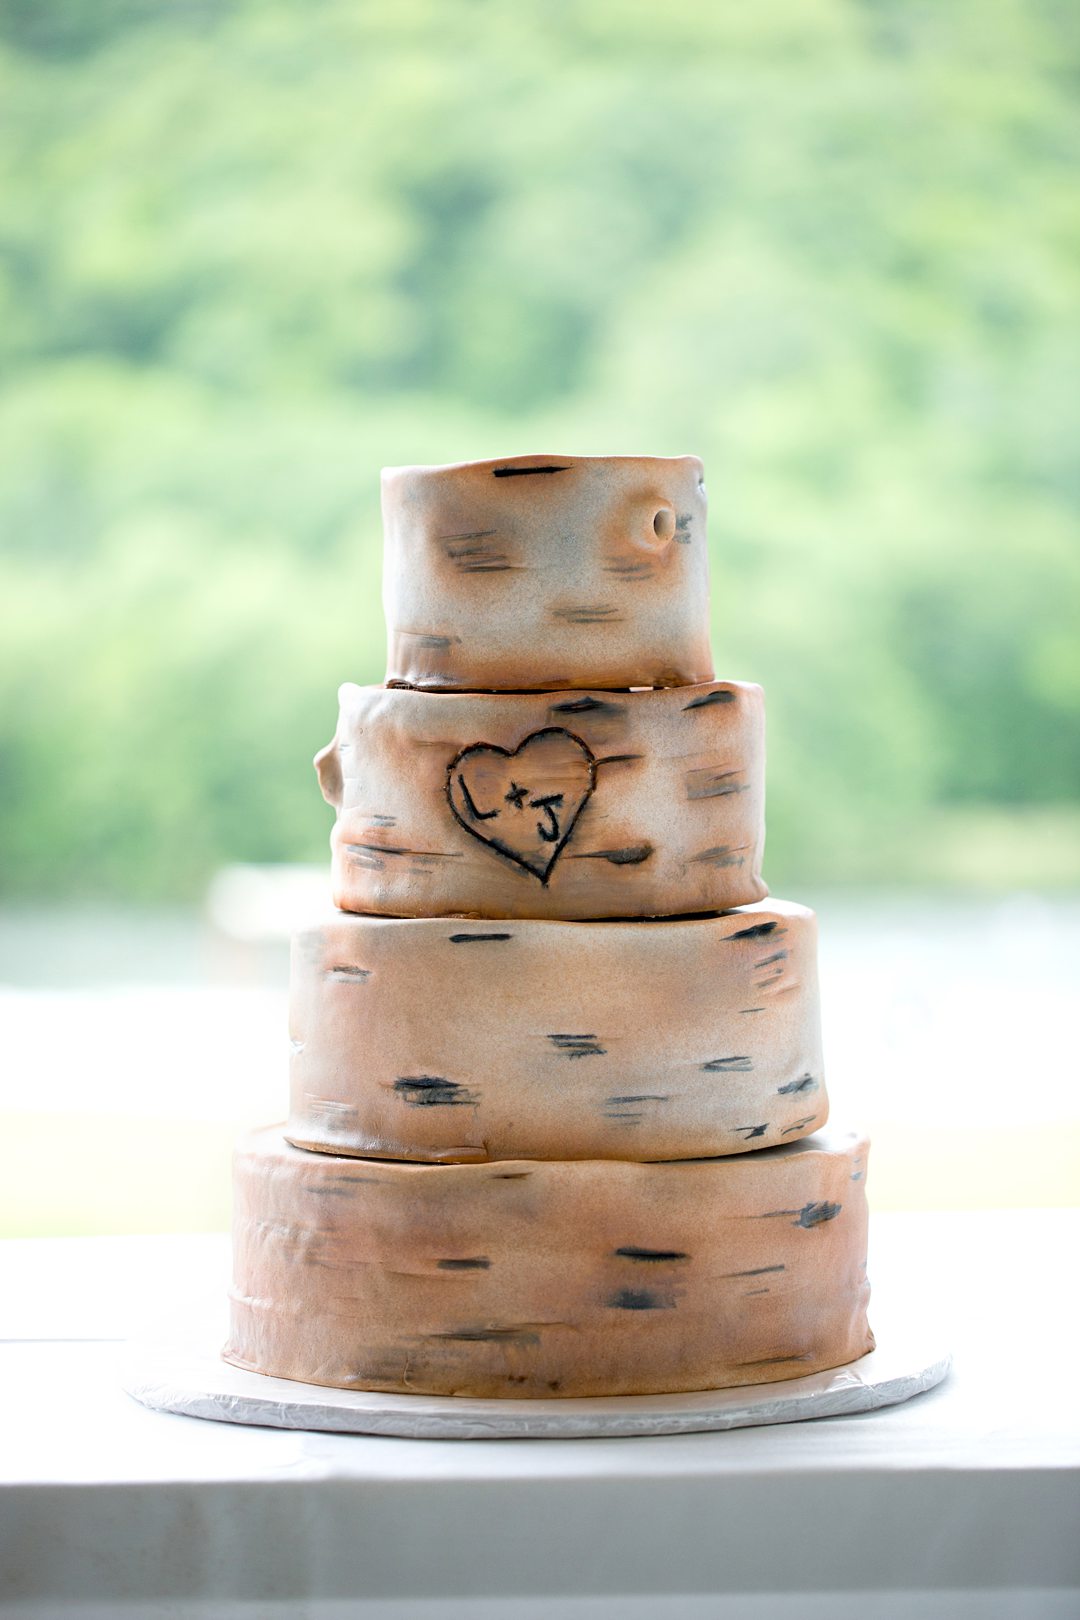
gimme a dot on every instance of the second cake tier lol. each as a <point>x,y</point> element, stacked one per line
<point>442,1041</point>
<point>547,804</point>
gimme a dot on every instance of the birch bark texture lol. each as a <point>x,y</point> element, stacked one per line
<point>547,804</point>
<point>545,572</point>
<point>531,1277</point>
<point>434,1039</point>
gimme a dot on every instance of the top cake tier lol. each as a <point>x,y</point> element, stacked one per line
<point>541,573</point>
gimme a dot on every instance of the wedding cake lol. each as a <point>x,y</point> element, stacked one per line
<point>557,1106</point>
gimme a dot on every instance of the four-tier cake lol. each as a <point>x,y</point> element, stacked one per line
<point>556,1125</point>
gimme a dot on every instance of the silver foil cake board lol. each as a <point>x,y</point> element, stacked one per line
<point>190,1378</point>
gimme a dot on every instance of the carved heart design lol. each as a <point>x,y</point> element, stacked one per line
<point>525,803</point>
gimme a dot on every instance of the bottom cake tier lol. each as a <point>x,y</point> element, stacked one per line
<point>533,1278</point>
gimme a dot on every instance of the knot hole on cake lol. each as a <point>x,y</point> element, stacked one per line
<point>663,524</point>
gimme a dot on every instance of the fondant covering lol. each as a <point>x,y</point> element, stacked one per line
<point>558,1056</point>
<point>547,572</point>
<point>442,1040</point>
<point>536,1278</point>
<point>547,804</point>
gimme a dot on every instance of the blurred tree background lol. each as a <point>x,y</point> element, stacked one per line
<point>250,250</point>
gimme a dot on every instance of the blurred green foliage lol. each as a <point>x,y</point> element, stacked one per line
<point>252,250</point>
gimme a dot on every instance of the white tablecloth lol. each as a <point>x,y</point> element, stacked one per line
<point>962,1505</point>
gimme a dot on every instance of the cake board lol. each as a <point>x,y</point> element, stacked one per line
<point>186,1375</point>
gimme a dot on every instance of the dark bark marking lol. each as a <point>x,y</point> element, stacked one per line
<point>631,855</point>
<point>710,784</point>
<point>772,1361</point>
<point>809,1215</point>
<point>435,643</point>
<point>433,1091</point>
<point>708,700</point>
<point>464,939</point>
<point>588,705</point>
<point>639,1299</point>
<point>335,1116</point>
<point>588,613</point>
<point>815,1214</point>
<point>755,1271</point>
<point>799,1125</point>
<point>471,554</point>
<point>758,931</point>
<point>577,1046</point>
<point>397,849</point>
<point>632,1252</point>
<point>629,568</point>
<point>341,1186</point>
<point>624,1110</point>
<point>490,1335</point>
<point>488,565</point>
<point>720,855</point>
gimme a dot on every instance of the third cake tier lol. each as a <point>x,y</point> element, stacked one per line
<point>548,804</point>
<point>446,1041</point>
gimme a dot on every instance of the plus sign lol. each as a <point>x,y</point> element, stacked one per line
<point>517,795</point>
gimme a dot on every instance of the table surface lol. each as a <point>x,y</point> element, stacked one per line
<point>966,1499</point>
